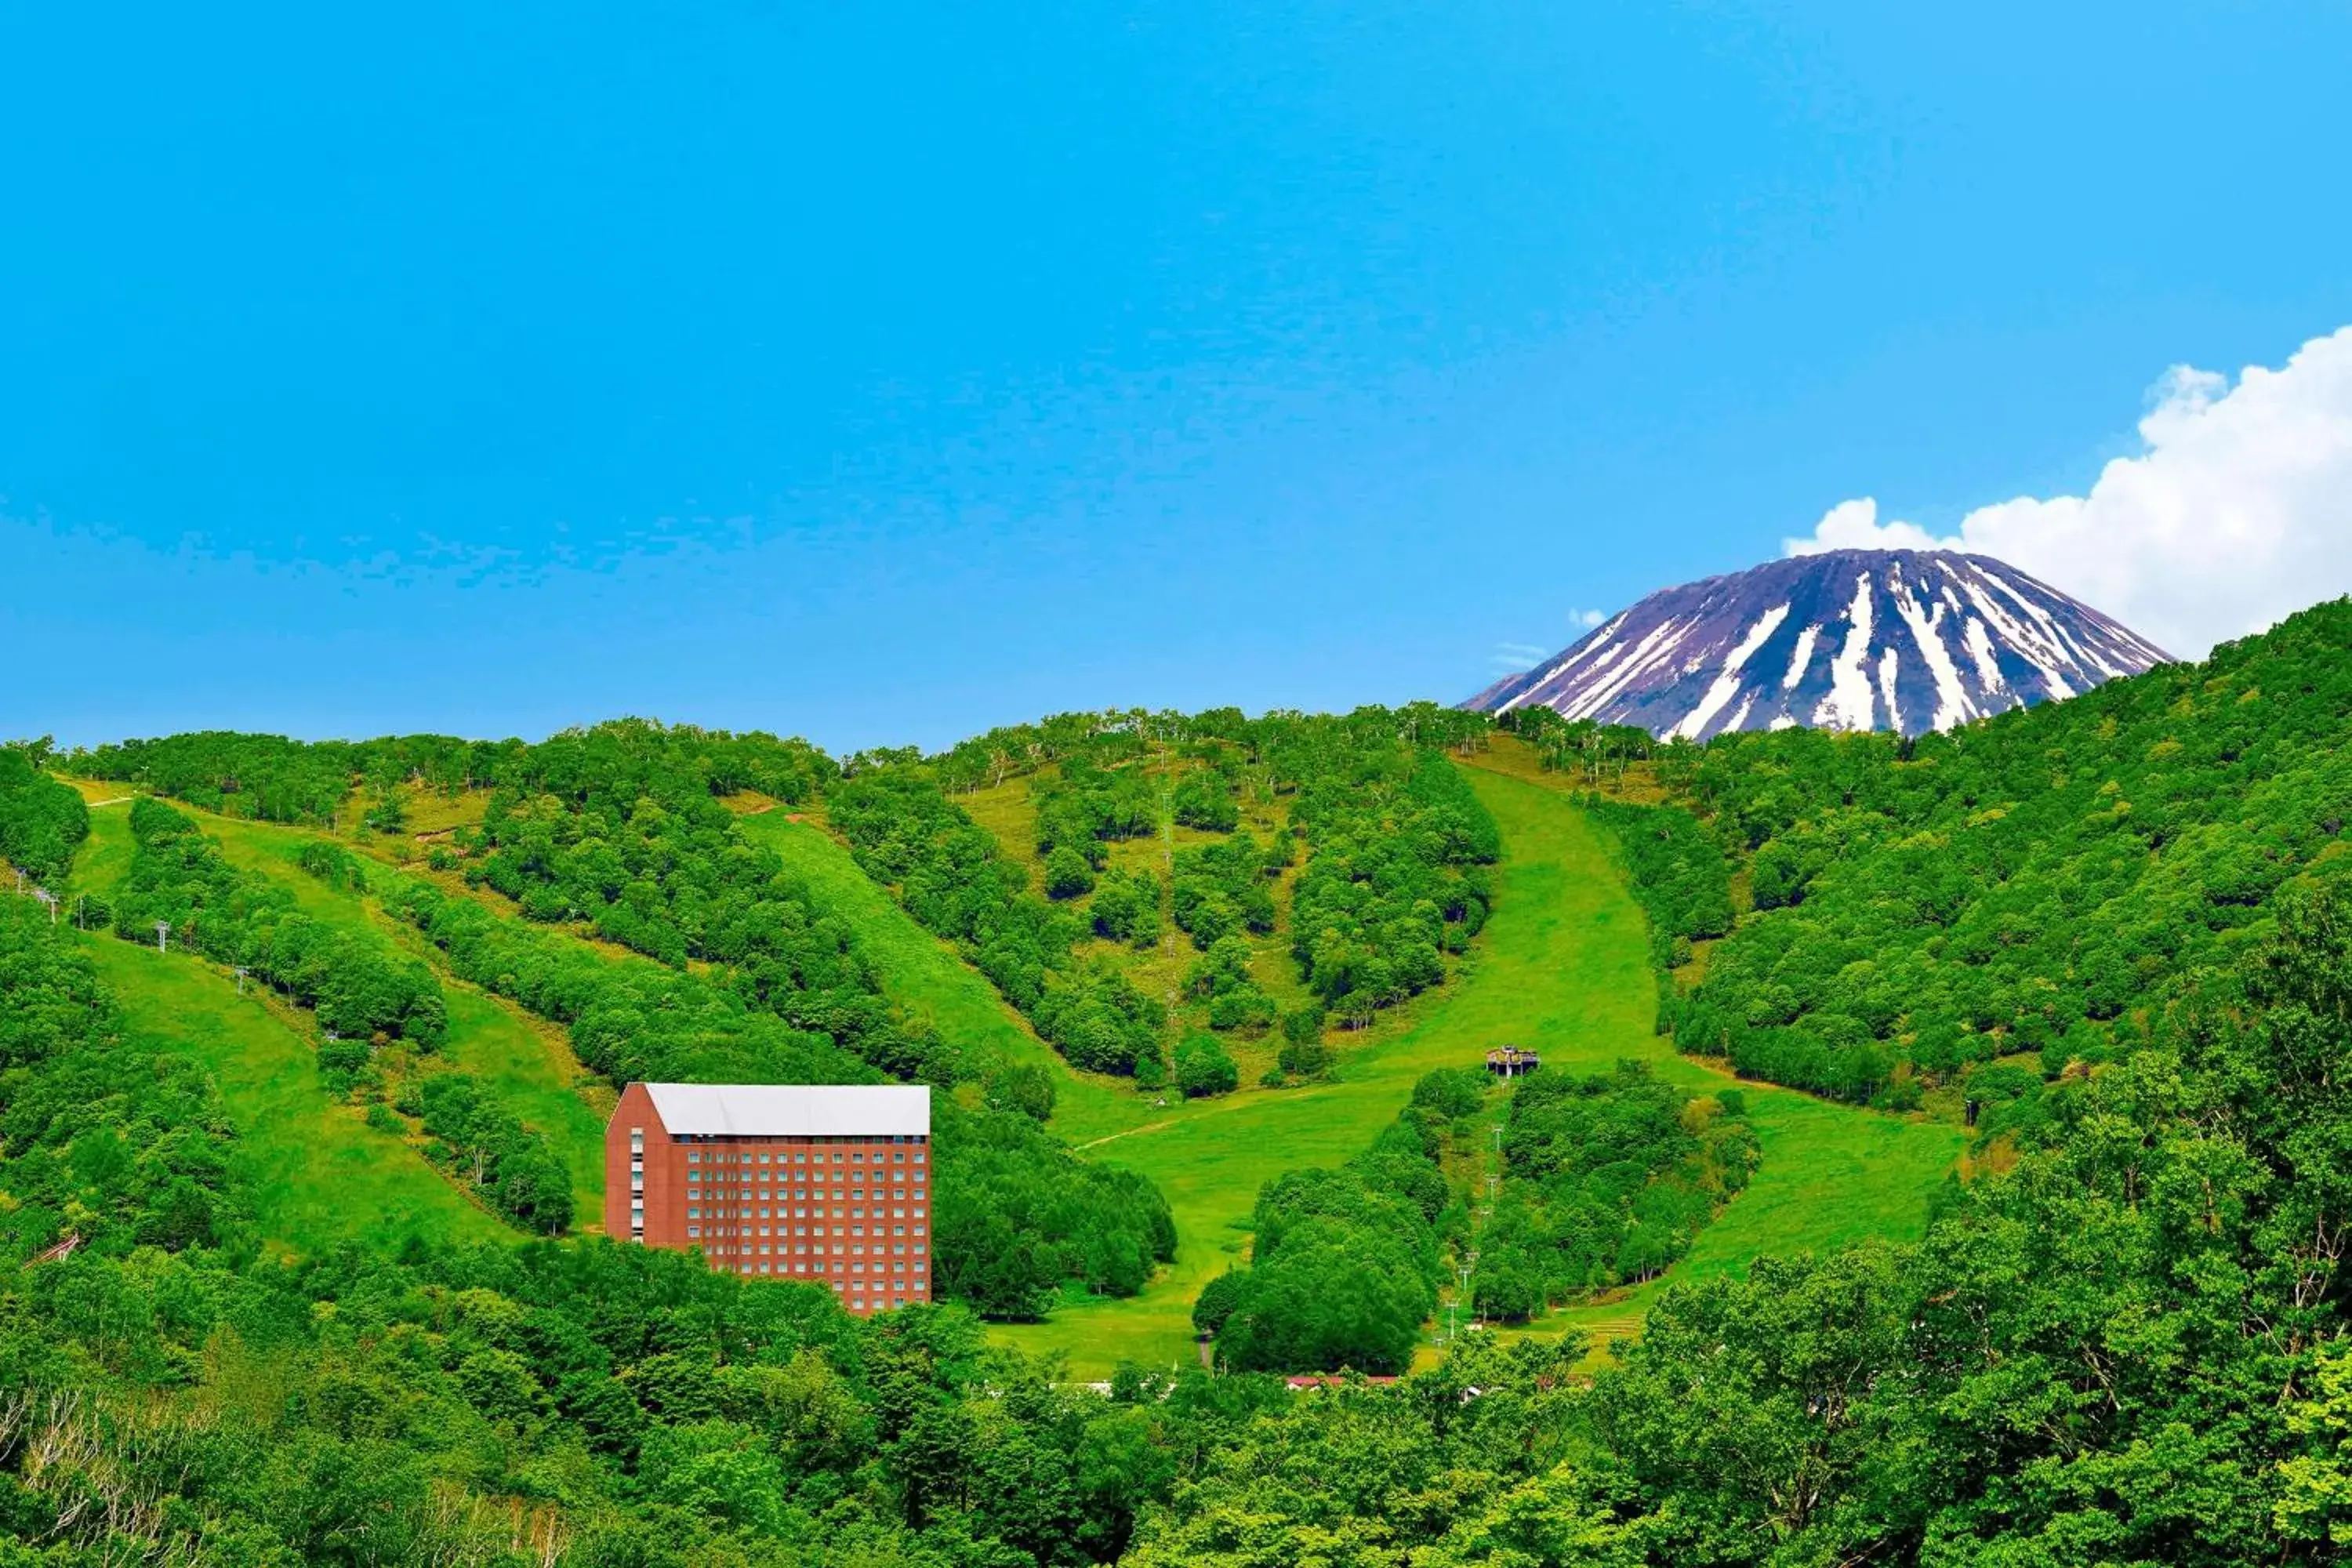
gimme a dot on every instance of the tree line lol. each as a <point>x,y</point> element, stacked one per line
<point>42,822</point>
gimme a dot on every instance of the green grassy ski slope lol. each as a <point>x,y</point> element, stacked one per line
<point>1562,964</point>
<point>528,1068</point>
<point>321,1175</point>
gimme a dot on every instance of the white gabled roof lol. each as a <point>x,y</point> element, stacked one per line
<point>794,1111</point>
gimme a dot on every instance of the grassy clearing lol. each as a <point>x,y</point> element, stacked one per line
<point>1563,965</point>
<point>321,1177</point>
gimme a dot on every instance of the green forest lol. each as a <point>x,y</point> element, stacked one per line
<point>2110,938</point>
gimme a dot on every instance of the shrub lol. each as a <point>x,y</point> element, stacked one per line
<point>1202,1068</point>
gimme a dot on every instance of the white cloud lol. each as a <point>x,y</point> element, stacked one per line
<point>1510,657</point>
<point>2238,514</point>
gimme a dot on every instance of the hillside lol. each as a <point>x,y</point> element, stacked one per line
<point>1211,1155</point>
<point>1969,915</point>
<point>2120,1339</point>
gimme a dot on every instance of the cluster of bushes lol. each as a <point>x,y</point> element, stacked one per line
<point>2039,883</point>
<point>1677,869</point>
<point>1345,1264</point>
<point>1081,813</point>
<point>1202,1068</point>
<point>268,778</point>
<point>1394,879</point>
<point>951,876</point>
<point>1126,908</point>
<point>1221,890</point>
<point>361,989</point>
<point>1593,753</point>
<point>513,1168</point>
<point>1608,1179</point>
<point>42,822</point>
<point>646,854</point>
<point>1205,799</point>
<point>1221,977</point>
<point>1098,1019</point>
<point>1017,1214</point>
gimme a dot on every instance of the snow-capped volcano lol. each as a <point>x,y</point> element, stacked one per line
<point>1848,640</point>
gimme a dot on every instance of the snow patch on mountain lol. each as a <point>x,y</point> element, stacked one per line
<point>1915,640</point>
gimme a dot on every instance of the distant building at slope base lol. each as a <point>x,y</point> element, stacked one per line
<point>820,1184</point>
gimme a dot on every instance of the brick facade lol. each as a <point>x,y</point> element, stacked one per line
<point>847,1208</point>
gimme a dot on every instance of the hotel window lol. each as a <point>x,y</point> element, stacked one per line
<point>694,1230</point>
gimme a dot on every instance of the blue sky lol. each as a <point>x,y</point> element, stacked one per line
<point>882,372</point>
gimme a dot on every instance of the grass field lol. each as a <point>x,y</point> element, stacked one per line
<point>321,1177</point>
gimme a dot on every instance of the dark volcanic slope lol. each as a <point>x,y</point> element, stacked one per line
<point>1850,640</point>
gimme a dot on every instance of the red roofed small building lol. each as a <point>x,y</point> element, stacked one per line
<point>821,1184</point>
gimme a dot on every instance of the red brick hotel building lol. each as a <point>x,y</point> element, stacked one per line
<point>820,1184</point>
